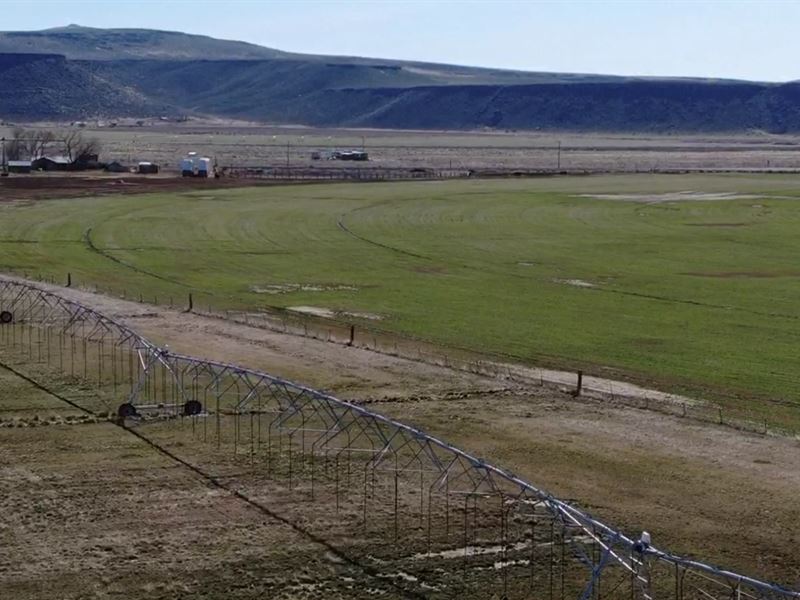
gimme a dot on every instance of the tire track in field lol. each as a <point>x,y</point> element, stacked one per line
<point>87,238</point>
<point>488,271</point>
<point>341,224</point>
<point>693,303</point>
<point>216,482</point>
<point>41,388</point>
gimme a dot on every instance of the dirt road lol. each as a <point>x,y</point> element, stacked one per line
<point>51,186</point>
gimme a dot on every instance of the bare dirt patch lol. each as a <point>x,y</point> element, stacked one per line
<point>671,197</point>
<point>363,315</point>
<point>95,512</point>
<point>317,311</point>
<point>742,274</point>
<point>575,283</point>
<point>329,313</point>
<point>719,224</point>
<point>45,186</point>
<point>696,487</point>
<point>288,288</point>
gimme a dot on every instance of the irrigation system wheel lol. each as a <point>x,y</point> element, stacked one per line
<point>191,408</point>
<point>126,410</point>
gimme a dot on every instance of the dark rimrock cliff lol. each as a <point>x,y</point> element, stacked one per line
<point>77,72</point>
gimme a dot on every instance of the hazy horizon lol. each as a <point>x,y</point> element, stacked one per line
<point>722,39</point>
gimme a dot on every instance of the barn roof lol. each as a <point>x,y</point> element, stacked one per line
<point>59,160</point>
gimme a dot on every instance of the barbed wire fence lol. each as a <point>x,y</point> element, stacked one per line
<point>512,369</point>
<point>438,521</point>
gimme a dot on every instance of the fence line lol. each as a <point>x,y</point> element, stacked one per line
<point>496,366</point>
<point>415,500</point>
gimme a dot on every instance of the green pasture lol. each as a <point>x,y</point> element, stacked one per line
<point>699,295</point>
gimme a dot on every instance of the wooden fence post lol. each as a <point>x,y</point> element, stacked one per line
<point>580,384</point>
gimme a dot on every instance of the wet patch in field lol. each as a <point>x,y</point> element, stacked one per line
<point>742,274</point>
<point>575,282</point>
<point>288,288</point>
<point>328,313</point>
<point>671,197</point>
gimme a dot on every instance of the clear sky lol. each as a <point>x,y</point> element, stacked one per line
<point>757,40</point>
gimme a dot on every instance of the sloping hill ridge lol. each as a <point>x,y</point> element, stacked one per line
<point>34,86</point>
<point>116,75</point>
<point>77,42</point>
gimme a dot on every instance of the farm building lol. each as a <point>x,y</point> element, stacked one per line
<point>359,155</point>
<point>193,165</point>
<point>19,166</point>
<point>117,167</point>
<point>87,161</point>
<point>51,163</point>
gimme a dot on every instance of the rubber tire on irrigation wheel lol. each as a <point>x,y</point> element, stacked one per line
<point>126,410</point>
<point>191,408</point>
<point>6,317</point>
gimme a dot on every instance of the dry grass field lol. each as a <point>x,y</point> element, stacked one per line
<point>92,499</point>
<point>244,145</point>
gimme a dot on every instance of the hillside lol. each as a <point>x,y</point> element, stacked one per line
<point>34,86</point>
<point>77,72</point>
<point>88,43</point>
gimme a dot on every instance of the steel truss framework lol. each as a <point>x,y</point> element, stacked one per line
<point>443,519</point>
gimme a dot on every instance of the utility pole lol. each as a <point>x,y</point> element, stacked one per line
<point>3,163</point>
<point>559,155</point>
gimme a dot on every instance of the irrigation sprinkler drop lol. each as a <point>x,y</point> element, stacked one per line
<point>437,502</point>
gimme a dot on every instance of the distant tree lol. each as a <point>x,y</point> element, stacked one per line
<point>39,141</point>
<point>16,147</point>
<point>79,148</point>
<point>29,143</point>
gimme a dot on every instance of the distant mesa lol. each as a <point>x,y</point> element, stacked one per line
<point>77,72</point>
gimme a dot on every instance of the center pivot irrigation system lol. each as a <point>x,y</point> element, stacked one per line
<point>432,519</point>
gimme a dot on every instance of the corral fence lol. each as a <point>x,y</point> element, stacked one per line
<point>439,522</point>
<point>368,173</point>
<point>304,173</point>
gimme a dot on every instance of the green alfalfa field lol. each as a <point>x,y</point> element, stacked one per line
<point>687,282</point>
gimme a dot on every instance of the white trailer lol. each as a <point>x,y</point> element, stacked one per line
<point>204,168</point>
<point>187,167</point>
